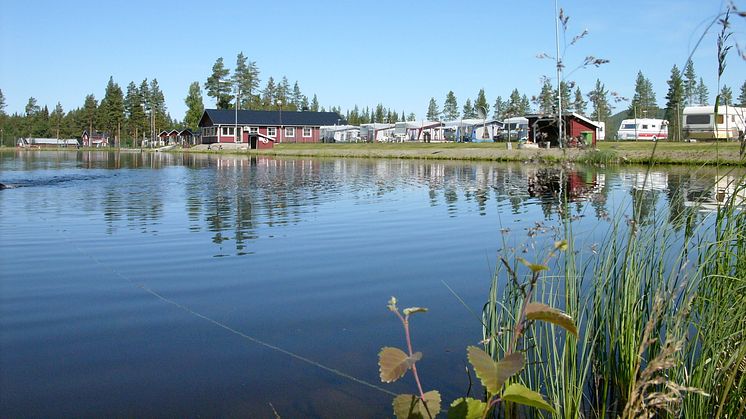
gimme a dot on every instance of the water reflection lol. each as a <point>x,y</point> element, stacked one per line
<point>234,197</point>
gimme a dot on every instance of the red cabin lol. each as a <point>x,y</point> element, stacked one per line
<point>262,129</point>
<point>578,128</point>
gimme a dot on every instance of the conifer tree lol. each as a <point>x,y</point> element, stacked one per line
<point>304,106</point>
<point>90,106</point>
<point>111,110</point>
<point>481,103</point>
<point>741,97</point>
<point>246,77</point>
<point>450,107</point>
<point>525,105</point>
<point>297,97</point>
<point>314,104</point>
<point>468,110</point>
<point>218,86</point>
<point>566,103</point>
<point>158,106</point>
<point>643,102</point>
<point>702,93</point>
<point>136,120</point>
<point>726,95</point>
<point>675,103</point>
<point>499,109</point>
<point>56,118</point>
<point>2,103</point>
<point>579,104</point>
<point>546,100</point>
<point>690,82</point>
<point>599,100</point>
<point>515,105</point>
<point>411,117</point>
<point>282,94</point>
<point>433,114</point>
<point>269,94</point>
<point>195,106</point>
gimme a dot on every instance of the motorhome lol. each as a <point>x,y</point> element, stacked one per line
<point>643,129</point>
<point>700,122</point>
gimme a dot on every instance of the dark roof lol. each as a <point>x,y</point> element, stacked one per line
<point>269,118</point>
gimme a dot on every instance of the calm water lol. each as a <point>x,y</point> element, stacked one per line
<point>121,274</point>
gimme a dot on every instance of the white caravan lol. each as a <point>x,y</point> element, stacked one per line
<point>643,129</point>
<point>699,122</point>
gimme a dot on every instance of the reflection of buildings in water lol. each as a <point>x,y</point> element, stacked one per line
<point>647,181</point>
<point>727,189</point>
<point>575,185</point>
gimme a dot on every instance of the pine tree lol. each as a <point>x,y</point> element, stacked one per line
<point>675,103</point>
<point>643,102</point>
<point>90,108</point>
<point>468,110</point>
<point>282,94</point>
<point>158,106</point>
<point>269,94</point>
<point>135,117</point>
<point>450,107</point>
<point>314,104</point>
<point>111,110</point>
<point>56,118</point>
<point>433,113</point>
<point>411,117</point>
<point>702,93</point>
<point>498,112</point>
<point>579,104</point>
<point>515,105</point>
<point>481,104</point>
<point>195,106</point>
<point>546,101</point>
<point>246,77</point>
<point>690,83</point>
<point>525,106</point>
<point>32,108</point>
<point>599,99</point>
<point>218,86</point>
<point>2,103</point>
<point>297,97</point>
<point>726,95</point>
<point>741,97</point>
<point>304,106</point>
<point>566,103</point>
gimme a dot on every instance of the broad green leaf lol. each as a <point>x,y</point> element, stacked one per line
<point>412,310</point>
<point>466,408</point>
<point>409,406</point>
<point>533,266</point>
<point>394,363</point>
<point>539,311</point>
<point>494,374</point>
<point>518,393</point>
<point>392,304</point>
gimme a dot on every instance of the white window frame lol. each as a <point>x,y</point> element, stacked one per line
<point>271,131</point>
<point>227,131</point>
<point>253,130</point>
<point>310,132</point>
<point>289,132</point>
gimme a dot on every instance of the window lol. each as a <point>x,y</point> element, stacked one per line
<point>306,131</point>
<point>721,119</point>
<point>698,119</point>
<point>228,131</point>
<point>644,126</point>
<point>254,130</point>
<point>290,131</point>
<point>628,126</point>
<point>271,131</point>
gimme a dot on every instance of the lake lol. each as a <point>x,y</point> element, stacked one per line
<point>184,285</point>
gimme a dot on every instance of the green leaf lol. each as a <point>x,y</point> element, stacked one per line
<point>534,267</point>
<point>539,311</point>
<point>394,363</point>
<point>412,310</point>
<point>518,393</point>
<point>409,406</point>
<point>466,408</point>
<point>494,374</point>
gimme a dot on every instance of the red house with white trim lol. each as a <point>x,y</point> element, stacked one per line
<point>262,129</point>
<point>543,128</point>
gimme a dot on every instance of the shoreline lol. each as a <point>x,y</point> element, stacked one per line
<point>620,153</point>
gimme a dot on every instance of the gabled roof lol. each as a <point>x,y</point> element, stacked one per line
<point>564,115</point>
<point>269,118</point>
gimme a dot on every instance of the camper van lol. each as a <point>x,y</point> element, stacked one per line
<point>699,122</point>
<point>643,129</point>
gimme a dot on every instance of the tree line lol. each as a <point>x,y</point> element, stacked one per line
<point>140,112</point>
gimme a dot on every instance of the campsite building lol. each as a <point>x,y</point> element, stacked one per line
<point>542,128</point>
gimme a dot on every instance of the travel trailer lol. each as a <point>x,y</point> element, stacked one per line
<point>699,122</point>
<point>643,129</point>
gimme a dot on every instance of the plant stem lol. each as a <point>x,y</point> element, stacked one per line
<point>405,322</point>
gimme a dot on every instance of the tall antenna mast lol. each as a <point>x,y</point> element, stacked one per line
<point>559,77</point>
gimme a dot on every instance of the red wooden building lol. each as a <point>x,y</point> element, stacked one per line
<point>262,129</point>
<point>543,128</point>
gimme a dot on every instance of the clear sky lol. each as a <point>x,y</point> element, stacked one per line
<point>399,53</point>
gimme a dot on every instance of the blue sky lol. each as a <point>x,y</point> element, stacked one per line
<point>399,53</point>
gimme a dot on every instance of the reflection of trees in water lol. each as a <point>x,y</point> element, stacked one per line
<point>558,187</point>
